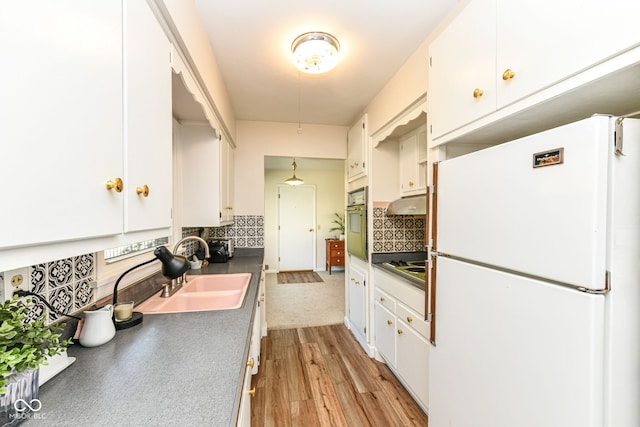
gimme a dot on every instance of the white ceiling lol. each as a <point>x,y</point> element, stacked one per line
<point>251,40</point>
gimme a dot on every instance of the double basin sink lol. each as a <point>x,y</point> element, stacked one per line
<point>205,292</point>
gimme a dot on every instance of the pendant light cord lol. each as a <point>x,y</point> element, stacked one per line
<point>299,125</point>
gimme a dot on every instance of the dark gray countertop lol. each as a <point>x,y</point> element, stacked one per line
<point>173,369</point>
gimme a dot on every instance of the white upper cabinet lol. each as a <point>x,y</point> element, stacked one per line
<point>87,134</point>
<point>496,53</point>
<point>545,41</point>
<point>462,69</point>
<point>413,157</point>
<point>205,177</point>
<point>357,150</point>
<point>61,126</point>
<point>226,183</point>
<point>147,120</point>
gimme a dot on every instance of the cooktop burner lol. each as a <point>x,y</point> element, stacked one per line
<point>414,269</point>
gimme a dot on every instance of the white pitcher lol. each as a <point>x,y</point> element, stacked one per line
<point>98,327</point>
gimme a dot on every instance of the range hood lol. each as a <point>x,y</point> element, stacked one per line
<point>413,205</point>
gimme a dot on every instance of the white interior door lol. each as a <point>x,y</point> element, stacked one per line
<point>296,227</point>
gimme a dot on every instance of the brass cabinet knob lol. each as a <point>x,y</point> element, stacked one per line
<point>382,299</point>
<point>477,93</point>
<point>252,392</point>
<point>400,331</point>
<point>116,184</point>
<point>508,74</point>
<point>409,319</point>
<point>411,183</point>
<point>250,363</point>
<point>389,322</point>
<point>311,230</point>
<point>144,190</point>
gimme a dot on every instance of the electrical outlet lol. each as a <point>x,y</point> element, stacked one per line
<point>16,279</point>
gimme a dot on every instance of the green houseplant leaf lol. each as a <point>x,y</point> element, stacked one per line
<point>25,345</point>
<point>339,223</point>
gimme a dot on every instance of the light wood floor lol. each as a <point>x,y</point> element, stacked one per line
<point>320,376</point>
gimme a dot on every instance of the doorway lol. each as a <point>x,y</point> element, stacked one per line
<point>296,227</point>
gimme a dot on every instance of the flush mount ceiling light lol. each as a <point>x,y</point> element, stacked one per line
<point>294,180</point>
<point>315,52</point>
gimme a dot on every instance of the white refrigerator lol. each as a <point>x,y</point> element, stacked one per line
<point>537,281</point>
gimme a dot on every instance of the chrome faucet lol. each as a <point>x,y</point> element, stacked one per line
<point>171,288</point>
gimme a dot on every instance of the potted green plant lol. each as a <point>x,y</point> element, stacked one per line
<point>339,224</point>
<point>24,346</point>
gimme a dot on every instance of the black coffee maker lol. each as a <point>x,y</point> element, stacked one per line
<point>217,250</point>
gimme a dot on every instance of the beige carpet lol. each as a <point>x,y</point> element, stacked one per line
<point>305,304</point>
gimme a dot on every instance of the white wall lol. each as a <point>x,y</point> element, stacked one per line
<point>330,196</point>
<point>258,139</point>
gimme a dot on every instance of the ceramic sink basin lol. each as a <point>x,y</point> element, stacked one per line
<point>205,292</point>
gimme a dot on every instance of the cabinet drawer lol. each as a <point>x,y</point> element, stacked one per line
<point>413,319</point>
<point>386,300</point>
<point>336,245</point>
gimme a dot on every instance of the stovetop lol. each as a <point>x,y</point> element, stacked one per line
<point>415,269</point>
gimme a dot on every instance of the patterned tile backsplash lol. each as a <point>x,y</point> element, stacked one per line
<point>397,233</point>
<point>247,231</point>
<point>64,283</point>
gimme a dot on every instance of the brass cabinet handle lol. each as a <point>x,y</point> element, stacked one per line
<point>250,363</point>
<point>477,93</point>
<point>252,392</point>
<point>409,319</point>
<point>400,331</point>
<point>508,74</point>
<point>262,297</point>
<point>116,184</point>
<point>144,190</point>
<point>389,322</point>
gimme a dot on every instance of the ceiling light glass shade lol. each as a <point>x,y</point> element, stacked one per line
<point>315,52</point>
<point>294,180</point>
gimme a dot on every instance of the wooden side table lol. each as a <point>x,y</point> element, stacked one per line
<point>335,253</point>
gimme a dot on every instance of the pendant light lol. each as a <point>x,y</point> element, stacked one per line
<point>294,180</point>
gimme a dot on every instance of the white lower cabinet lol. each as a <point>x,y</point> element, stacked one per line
<point>356,285</point>
<point>385,328</point>
<point>253,361</point>
<point>401,333</point>
<point>412,355</point>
